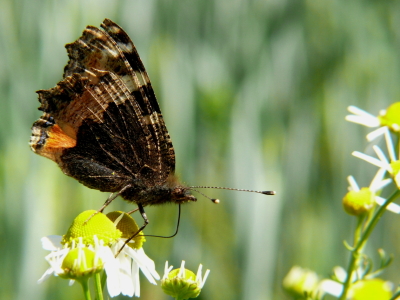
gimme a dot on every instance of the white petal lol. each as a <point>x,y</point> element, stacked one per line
<point>205,277</point>
<point>125,275</point>
<point>51,242</point>
<point>384,183</point>
<point>56,258</point>
<point>111,266</point>
<point>46,275</point>
<point>378,182</point>
<point>198,275</point>
<point>372,160</point>
<point>113,286</point>
<point>358,111</point>
<point>331,287</point>
<point>167,270</point>
<point>362,120</point>
<point>340,273</point>
<point>362,117</point>
<point>353,184</point>
<point>376,133</point>
<point>380,154</point>
<point>149,263</point>
<point>135,279</point>
<point>182,270</point>
<point>201,281</point>
<point>117,220</point>
<point>389,145</point>
<point>393,207</point>
<point>145,263</point>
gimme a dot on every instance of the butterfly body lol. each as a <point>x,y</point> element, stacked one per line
<point>102,123</point>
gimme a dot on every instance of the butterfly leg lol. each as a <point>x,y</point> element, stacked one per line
<point>146,221</point>
<point>110,199</point>
<point>132,211</point>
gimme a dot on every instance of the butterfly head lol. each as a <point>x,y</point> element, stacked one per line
<point>181,194</point>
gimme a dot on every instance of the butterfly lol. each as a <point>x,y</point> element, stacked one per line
<point>103,126</point>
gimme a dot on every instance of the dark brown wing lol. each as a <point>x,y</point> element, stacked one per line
<point>105,103</point>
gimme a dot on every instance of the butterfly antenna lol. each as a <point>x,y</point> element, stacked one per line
<point>216,201</point>
<point>230,189</point>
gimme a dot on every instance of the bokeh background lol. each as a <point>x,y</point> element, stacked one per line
<point>254,95</point>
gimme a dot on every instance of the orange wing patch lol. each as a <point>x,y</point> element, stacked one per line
<point>58,139</point>
<point>50,142</point>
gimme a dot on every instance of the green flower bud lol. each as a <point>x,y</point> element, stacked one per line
<point>300,281</point>
<point>80,262</point>
<point>182,283</point>
<point>359,202</point>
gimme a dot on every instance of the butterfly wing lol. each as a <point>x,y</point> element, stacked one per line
<point>102,123</point>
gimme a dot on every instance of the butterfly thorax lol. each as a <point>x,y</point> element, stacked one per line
<point>170,192</point>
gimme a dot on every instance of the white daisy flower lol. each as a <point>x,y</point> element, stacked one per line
<point>392,165</point>
<point>78,260</point>
<point>182,283</point>
<point>91,246</point>
<point>361,200</point>
<point>389,118</point>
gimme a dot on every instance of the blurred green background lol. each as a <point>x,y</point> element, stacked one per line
<point>254,95</point>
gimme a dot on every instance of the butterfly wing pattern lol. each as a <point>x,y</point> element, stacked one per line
<point>102,123</point>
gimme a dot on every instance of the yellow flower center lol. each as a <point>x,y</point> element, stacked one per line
<point>370,290</point>
<point>88,224</point>
<point>391,117</point>
<point>128,227</point>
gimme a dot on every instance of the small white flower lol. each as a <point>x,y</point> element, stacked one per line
<point>80,267</point>
<point>377,184</point>
<point>122,272</point>
<point>392,165</point>
<point>389,118</point>
<point>182,283</point>
<point>90,247</point>
<point>199,279</point>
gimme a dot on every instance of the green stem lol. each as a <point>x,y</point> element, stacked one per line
<point>358,231</point>
<point>84,282</point>
<point>397,294</point>
<point>103,279</point>
<point>98,286</point>
<point>354,256</point>
<point>355,253</point>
